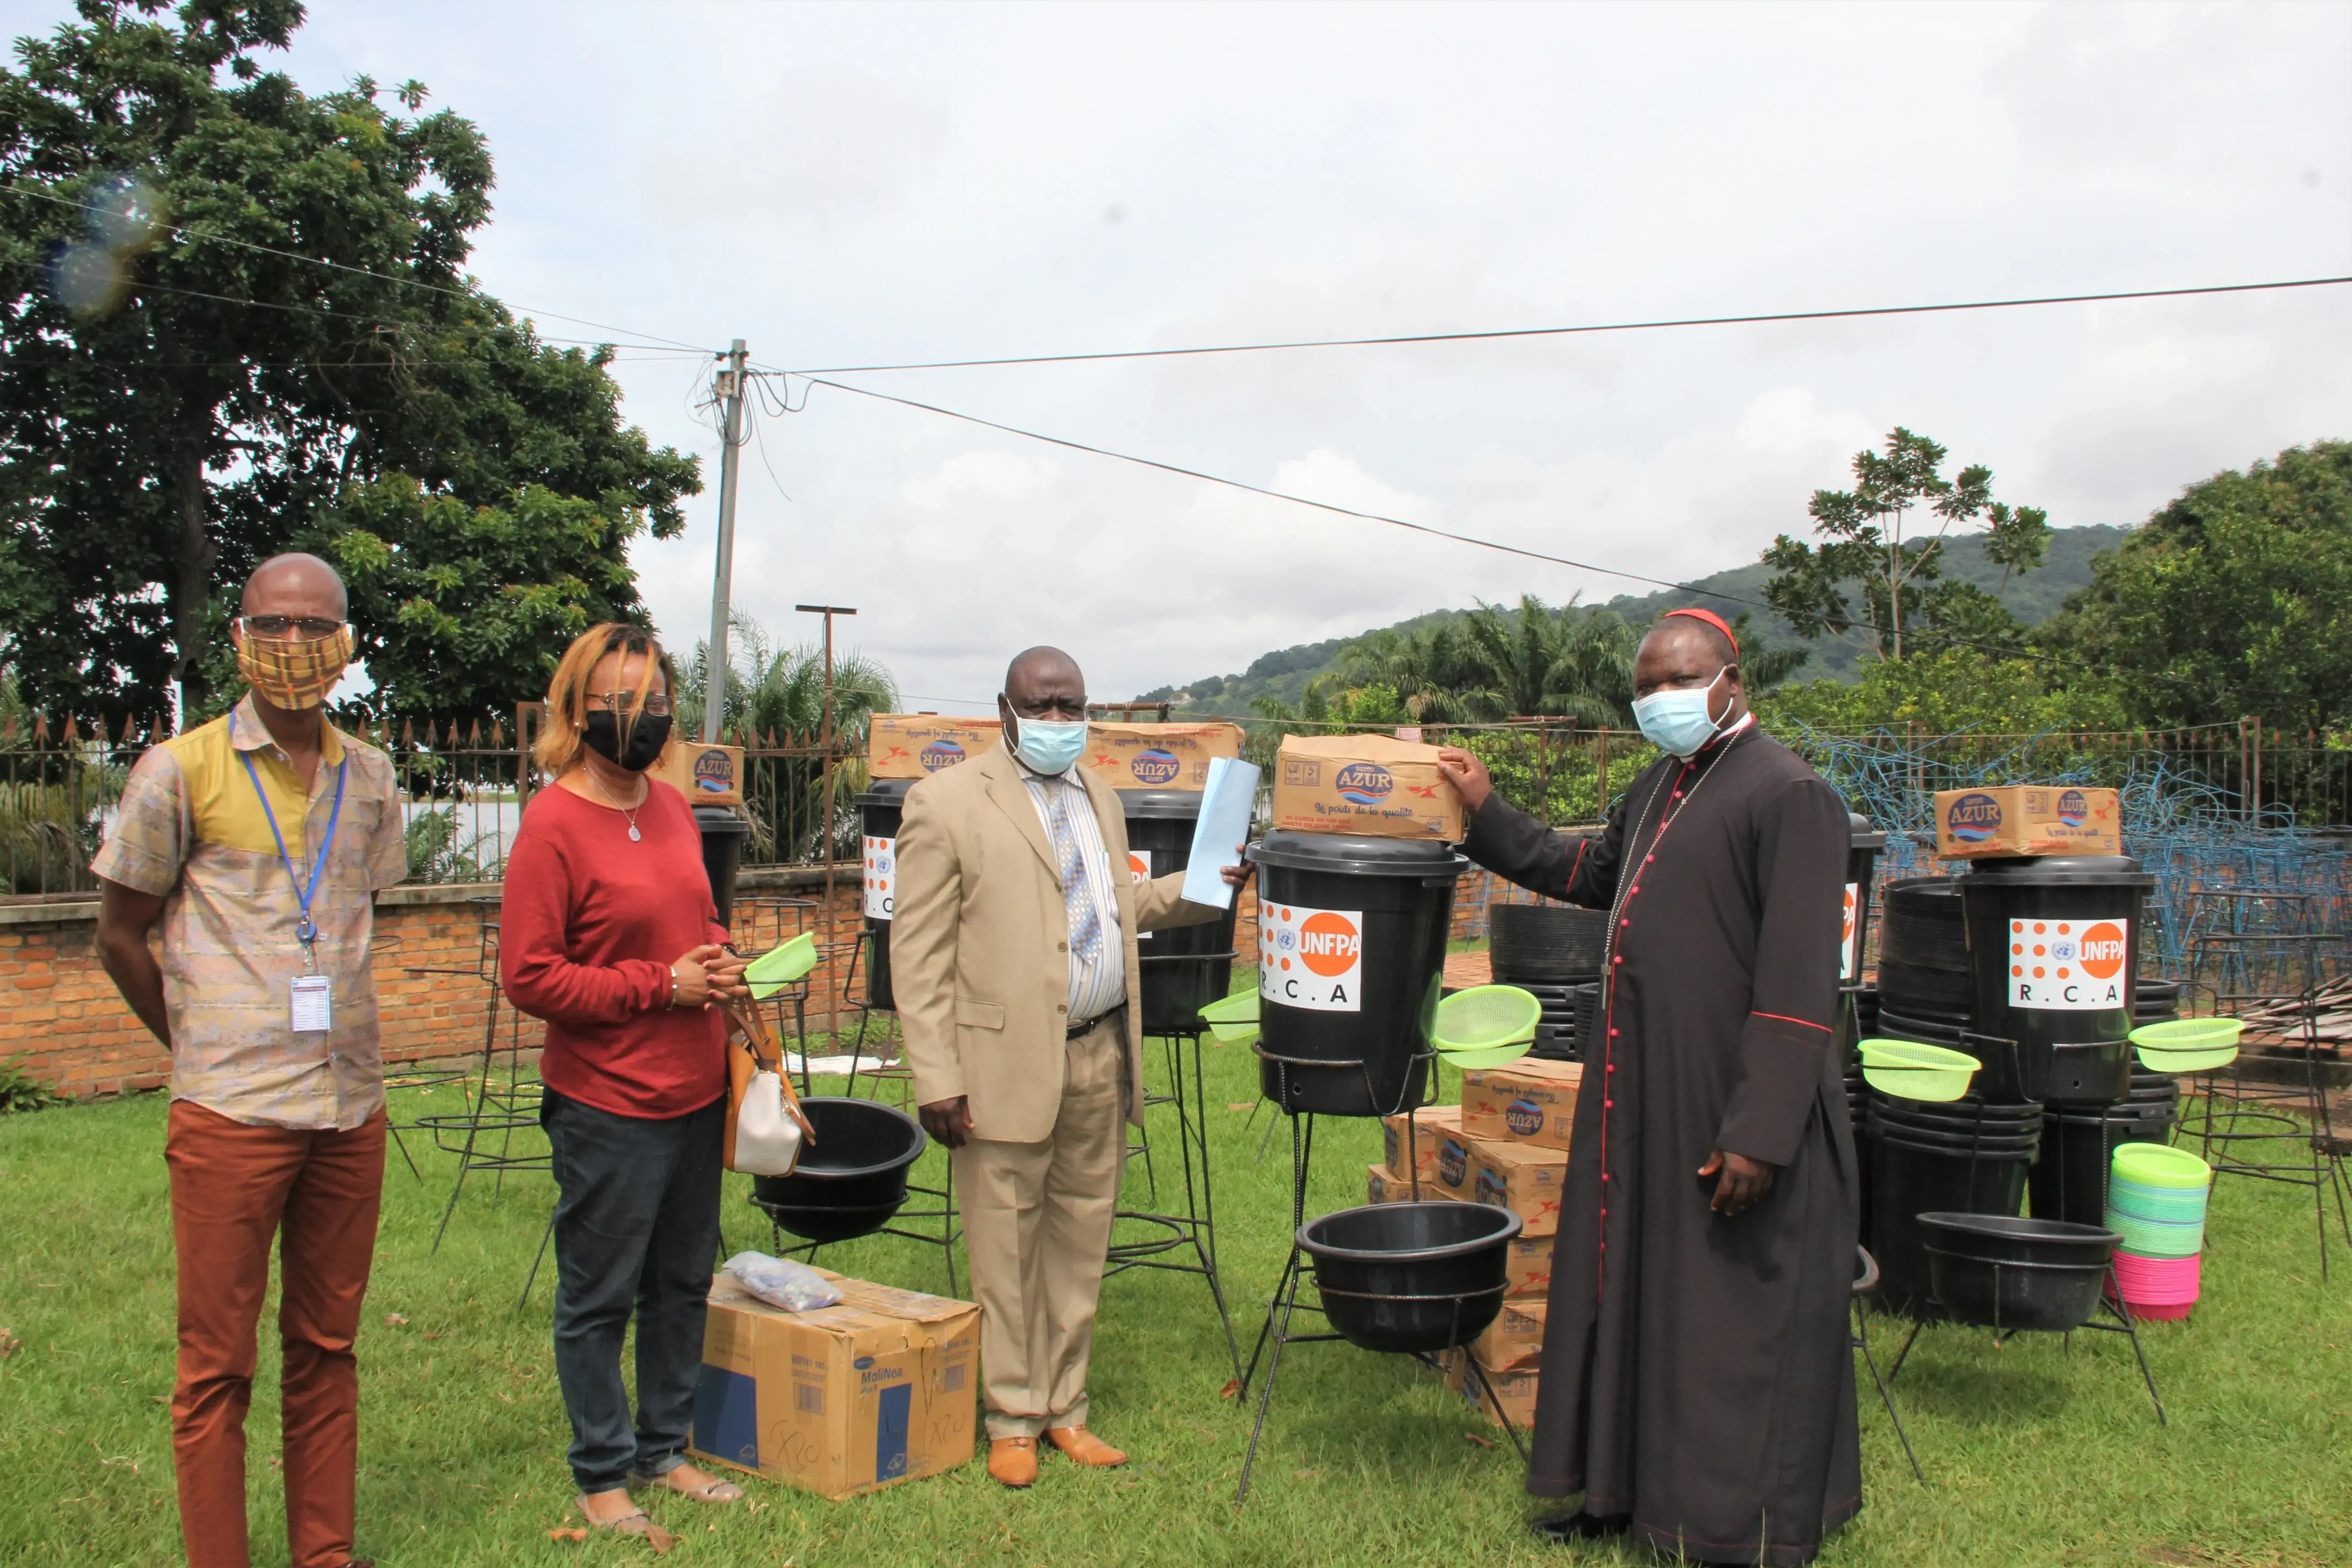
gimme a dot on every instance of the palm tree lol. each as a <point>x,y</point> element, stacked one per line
<point>781,690</point>
<point>1430,668</point>
<point>1537,661</point>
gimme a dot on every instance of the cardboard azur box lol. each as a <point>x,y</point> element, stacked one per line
<point>850,1398</point>
<point>1400,1151</point>
<point>706,776</point>
<point>1520,1177</point>
<point>1515,1389</point>
<point>1383,1185</point>
<point>2027,819</point>
<point>1527,1268</point>
<point>1364,784</point>
<point>1526,1102</point>
<point>1514,1339</point>
<point>917,745</point>
<point>1158,756</point>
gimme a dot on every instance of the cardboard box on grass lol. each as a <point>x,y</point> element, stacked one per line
<point>917,745</point>
<point>1515,1388</point>
<point>1520,1177</point>
<point>1514,1338</point>
<point>1526,1268</point>
<point>1383,1185</point>
<point>878,1389</point>
<point>1524,1101</point>
<point>706,776</point>
<point>1364,784</point>
<point>2027,819</point>
<point>1158,756</point>
<point>1398,1152</point>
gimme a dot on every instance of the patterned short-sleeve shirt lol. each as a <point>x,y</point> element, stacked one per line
<point>190,827</point>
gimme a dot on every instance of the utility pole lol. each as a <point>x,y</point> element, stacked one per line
<point>727,387</point>
<point>826,737</point>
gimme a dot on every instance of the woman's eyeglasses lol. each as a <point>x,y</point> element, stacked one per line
<point>618,703</point>
<point>275,627</point>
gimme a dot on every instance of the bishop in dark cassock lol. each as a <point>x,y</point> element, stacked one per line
<point>1698,1385</point>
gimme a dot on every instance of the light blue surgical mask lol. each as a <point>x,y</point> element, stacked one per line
<point>1677,720</point>
<point>1050,746</point>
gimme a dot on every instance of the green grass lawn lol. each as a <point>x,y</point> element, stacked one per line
<point>2039,1453</point>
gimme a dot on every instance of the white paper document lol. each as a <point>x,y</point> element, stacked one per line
<point>1226,803</point>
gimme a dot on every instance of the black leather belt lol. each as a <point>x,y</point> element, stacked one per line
<point>1091,1024</point>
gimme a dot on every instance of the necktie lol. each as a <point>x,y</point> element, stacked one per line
<point>1085,920</point>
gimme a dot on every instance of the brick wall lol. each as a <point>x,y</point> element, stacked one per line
<point>62,1014</point>
<point>60,1011</point>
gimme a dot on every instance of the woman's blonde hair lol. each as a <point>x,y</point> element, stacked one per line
<point>562,738</point>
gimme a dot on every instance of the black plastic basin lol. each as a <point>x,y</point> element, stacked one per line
<point>2008,1273</point>
<point>1410,1276</point>
<point>852,1177</point>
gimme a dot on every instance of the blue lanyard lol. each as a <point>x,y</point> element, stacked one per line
<point>307,933</point>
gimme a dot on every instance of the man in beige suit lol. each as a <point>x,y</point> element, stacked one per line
<point>1013,958</point>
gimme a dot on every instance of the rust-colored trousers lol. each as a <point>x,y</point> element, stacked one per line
<point>234,1187</point>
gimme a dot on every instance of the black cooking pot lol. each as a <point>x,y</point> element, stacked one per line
<point>2008,1273</point>
<point>852,1178</point>
<point>1412,1277</point>
<point>1922,926</point>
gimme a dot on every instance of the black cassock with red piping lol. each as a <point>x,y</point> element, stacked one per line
<point>1697,1374</point>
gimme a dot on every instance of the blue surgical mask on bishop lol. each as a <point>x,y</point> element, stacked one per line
<point>1049,745</point>
<point>1678,721</point>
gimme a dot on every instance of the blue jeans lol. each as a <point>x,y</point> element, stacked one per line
<point>637,1225</point>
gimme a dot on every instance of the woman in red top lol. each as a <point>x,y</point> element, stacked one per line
<point>608,932</point>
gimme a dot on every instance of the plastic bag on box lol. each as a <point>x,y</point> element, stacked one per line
<point>782,1282</point>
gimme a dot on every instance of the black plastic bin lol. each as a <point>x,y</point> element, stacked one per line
<point>1183,967</point>
<point>2069,1180</point>
<point>1553,945</point>
<point>723,831</point>
<point>1910,1177</point>
<point>1352,956</point>
<point>2004,1272</point>
<point>2056,942</point>
<point>1410,1277</point>
<point>852,1176</point>
<point>879,805</point>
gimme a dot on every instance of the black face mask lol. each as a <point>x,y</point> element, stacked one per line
<point>647,736</point>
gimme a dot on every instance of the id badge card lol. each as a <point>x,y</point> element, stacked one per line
<point>313,1004</point>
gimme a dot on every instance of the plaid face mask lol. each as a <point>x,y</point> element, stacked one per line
<point>290,674</point>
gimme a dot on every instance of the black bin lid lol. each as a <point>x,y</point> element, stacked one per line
<point>884,792</point>
<point>1177,804</point>
<point>721,822</point>
<point>1357,855</point>
<point>2059,871</point>
<point>1861,834</point>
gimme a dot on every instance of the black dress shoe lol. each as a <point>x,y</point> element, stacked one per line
<point>1563,1528</point>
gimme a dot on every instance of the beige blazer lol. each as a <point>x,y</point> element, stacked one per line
<point>979,952</point>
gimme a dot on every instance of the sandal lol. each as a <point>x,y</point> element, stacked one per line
<point>716,1489</point>
<point>633,1523</point>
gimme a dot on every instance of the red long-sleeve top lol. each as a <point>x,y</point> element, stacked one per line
<point>589,926</point>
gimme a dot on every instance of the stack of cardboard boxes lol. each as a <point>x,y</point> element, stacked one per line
<point>1506,1145</point>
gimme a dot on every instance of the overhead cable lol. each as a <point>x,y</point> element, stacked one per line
<point>203,235</point>
<point>1642,326</point>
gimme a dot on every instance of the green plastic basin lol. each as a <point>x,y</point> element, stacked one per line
<point>1909,1070</point>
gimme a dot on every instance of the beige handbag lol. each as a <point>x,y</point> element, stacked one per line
<point>765,1128</point>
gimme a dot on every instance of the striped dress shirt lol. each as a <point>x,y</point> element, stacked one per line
<point>1098,983</point>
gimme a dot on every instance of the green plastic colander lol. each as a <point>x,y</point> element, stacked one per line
<point>1485,1025</point>
<point>2188,1045</point>
<point>1233,1019</point>
<point>1911,1070</point>
<point>780,966</point>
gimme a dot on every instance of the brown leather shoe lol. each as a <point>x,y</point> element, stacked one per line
<point>1012,1461</point>
<point>1085,1447</point>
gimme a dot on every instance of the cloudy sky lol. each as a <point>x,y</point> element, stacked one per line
<point>864,184</point>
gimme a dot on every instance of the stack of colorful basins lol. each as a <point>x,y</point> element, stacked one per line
<point>2156,1202</point>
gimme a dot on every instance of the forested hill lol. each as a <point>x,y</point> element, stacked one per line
<point>2032,598</point>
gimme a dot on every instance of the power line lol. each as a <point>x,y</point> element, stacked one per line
<point>1838,622</point>
<point>1642,326</point>
<point>201,235</point>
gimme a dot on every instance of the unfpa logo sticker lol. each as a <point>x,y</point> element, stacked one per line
<point>942,755</point>
<point>1155,766</point>
<point>1313,958</point>
<point>1973,819</point>
<point>1523,1118</point>
<point>2073,809</point>
<point>2070,966</point>
<point>1364,784</point>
